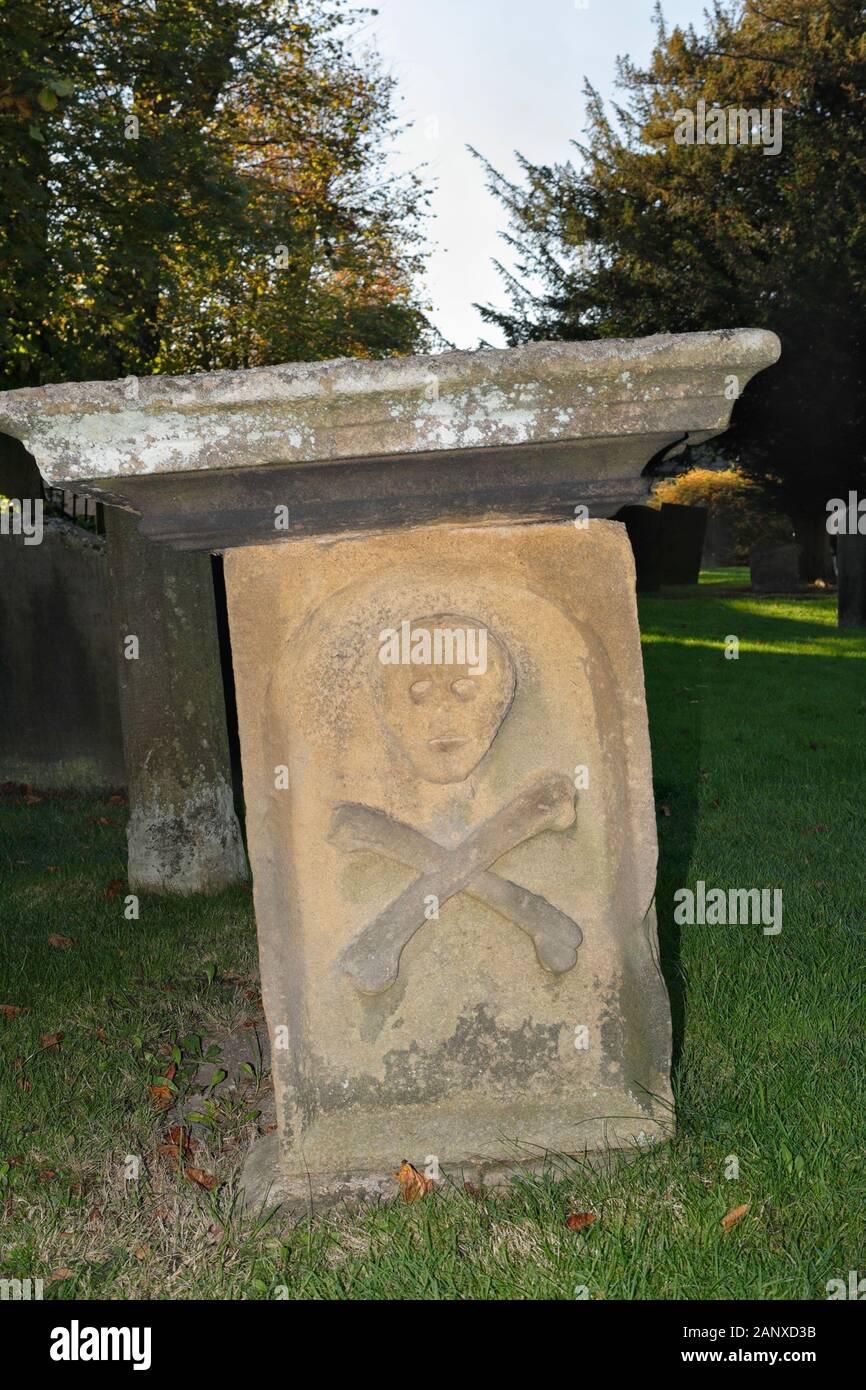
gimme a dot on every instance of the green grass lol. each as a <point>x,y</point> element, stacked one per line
<point>760,766</point>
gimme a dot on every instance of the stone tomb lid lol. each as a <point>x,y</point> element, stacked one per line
<point>529,432</point>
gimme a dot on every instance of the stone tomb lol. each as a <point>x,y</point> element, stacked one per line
<point>443,729</point>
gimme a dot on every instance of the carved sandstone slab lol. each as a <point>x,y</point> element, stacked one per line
<point>454,861</point>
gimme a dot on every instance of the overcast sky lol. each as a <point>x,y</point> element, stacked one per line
<point>501,75</point>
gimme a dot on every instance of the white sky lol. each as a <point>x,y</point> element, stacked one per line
<point>501,75</point>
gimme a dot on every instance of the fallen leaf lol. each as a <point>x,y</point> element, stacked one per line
<point>141,1252</point>
<point>60,943</point>
<point>113,889</point>
<point>116,800</point>
<point>52,868</point>
<point>103,820</point>
<point>94,1214</point>
<point>59,1274</point>
<point>472,1191</point>
<point>99,1033</point>
<point>15,1161</point>
<point>45,1175</point>
<point>412,1183</point>
<point>580,1220</point>
<point>177,1139</point>
<point>206,1180</point>
<point>50,1041</point>
<point>735,1215</point>
<point>10,1011</point>
<point>162,1095</point>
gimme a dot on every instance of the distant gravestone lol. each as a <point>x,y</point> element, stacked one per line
<point>720,541</point>
<point>681,542</point>
<point>644,533</point>
<point>59,716</point>
<point>775,569</point>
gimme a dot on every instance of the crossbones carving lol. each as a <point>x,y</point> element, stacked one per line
<point>372,959</point>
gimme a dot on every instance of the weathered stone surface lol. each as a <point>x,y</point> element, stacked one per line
<point>183,833</point>
<point>528,432</point>
<point>374,791</point>
<point>775,569</point>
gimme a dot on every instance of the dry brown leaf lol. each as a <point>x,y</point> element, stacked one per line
<point>734,1216</point>
<point>206,1180</point>
<point>45,1175</point>
<point>412,1183</point>
<point>10,1011</point>
<point>50,1042</point>
<point>162,1095</point>
<point>60,943</point>
<point>580,1220</point>
<point>113,889</point>
<point>59,1274</point>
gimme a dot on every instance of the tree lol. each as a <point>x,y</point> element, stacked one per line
<point>195,184</point>
<point>644,234</point>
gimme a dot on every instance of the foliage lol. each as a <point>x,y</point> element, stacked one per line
<point>195,184</point>
<point>643,234</point>
<point>731,494</point>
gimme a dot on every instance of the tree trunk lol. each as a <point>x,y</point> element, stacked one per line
<point>851,561</point>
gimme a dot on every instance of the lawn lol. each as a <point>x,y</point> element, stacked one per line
<point>760,777</point>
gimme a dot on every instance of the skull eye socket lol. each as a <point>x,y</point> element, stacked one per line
<point>419,690</point>
<point>464,688</point>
